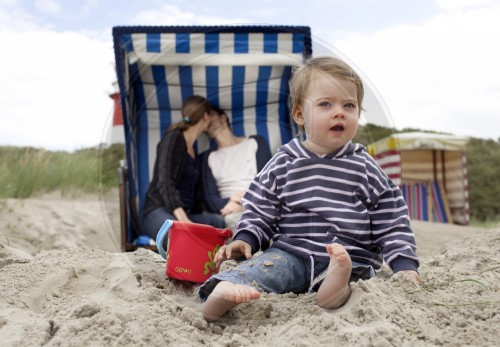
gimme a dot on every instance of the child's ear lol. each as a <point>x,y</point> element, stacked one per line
<point>297,115</point>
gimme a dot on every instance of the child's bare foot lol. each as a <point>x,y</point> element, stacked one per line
<point>335,289</point>
<point>225,296</point>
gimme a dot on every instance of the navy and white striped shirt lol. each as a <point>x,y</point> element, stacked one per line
<point>302,201</point>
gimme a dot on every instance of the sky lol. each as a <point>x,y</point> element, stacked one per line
<point>430,64</point>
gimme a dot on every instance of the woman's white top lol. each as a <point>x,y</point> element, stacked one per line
<point>234,167</point>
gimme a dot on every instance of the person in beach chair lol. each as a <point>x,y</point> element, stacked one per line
<point>173,192</point>
<point>241,69</point>
<point>228,168</point>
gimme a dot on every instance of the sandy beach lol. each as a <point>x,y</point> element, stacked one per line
<point>63,282</point>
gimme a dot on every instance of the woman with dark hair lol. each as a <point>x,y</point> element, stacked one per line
<point>173,191</point>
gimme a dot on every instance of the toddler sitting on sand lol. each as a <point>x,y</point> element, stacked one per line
<point>330,213</point>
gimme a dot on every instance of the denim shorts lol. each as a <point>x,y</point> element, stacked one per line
<point>277,271</point>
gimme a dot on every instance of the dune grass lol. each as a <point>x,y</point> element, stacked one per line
<point>26,171</point>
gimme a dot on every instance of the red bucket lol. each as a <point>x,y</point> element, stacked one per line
<point>191,249</point>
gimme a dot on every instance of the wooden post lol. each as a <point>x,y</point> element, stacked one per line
<point>428,187</point>
<point>445,203</point>
<point>122,172</point>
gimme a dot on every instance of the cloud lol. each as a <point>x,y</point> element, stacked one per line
<point>14,18</point>
<point>460,5</point>
<point>173,15</point>
<point>53,93</point>
<point>90,5</point>
<point>48,6</point>
<point>440,75</point>
<point>8,3</point>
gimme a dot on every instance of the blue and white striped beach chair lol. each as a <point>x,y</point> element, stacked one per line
<point>242,69</point>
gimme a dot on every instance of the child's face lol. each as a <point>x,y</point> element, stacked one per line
<point>329,113</point>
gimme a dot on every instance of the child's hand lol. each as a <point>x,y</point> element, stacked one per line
<point>235,249</point>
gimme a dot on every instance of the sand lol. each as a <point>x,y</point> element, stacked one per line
<point>63,282</point>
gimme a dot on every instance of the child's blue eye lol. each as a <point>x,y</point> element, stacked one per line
<point>324,104</point>
<point>350,105</point>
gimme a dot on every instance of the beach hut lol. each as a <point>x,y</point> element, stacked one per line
<point>431,170</point>
<point>242,69</point>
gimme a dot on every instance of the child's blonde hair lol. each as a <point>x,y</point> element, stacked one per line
<point>302,74</point>
<point>193,110</point>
